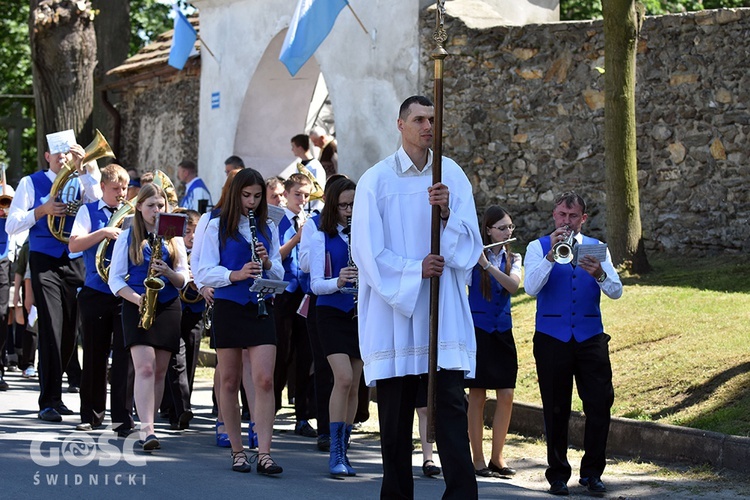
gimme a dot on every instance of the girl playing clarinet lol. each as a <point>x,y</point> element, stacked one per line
<point>239,246</point>
<point>331,273</point>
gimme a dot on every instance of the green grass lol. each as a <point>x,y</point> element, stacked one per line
<point>680,344</point>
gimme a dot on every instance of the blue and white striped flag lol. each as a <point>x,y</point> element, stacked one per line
<point>311,23</point>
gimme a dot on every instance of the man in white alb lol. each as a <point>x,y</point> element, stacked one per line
<point>391,247</point>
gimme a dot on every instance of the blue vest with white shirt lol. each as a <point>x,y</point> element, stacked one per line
<point>187,200</point>
<point>490,315</point>
<point>139,273</point>
<point>99,219</point>
<point>567,306</point>
<point>292,273</point>
<point>337,254</point>
<point>40,238</point>
<point>233,255</point>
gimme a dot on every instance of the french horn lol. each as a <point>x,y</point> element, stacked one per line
<point>65,188</point>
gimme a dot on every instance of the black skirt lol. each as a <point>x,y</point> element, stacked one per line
<point>236,326</point>
<point>338,331</point>
<point>164,332</point>
<point>497,361</point>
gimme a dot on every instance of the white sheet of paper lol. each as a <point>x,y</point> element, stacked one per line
<point>597,251</point>
<point>276,214</point>
<point>60,142</point>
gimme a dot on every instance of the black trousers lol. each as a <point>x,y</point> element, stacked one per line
<point>181,371</point>
<point>557,364</point>
<point>55,282</point>
<point>396,404</point>
<point>292,345</point>
<point>101,329</point>
<point>322,376</point>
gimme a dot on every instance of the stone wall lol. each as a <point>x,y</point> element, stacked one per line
<point>160,121</point>
<point>524,115</point>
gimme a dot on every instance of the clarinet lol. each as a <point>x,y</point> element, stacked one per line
<point>262,313</point>
<point>350,263</point>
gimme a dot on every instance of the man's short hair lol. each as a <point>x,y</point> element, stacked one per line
<point>235,161</point>
<point>274,181</point>
<point>296,180</point>
<point>571,198</point>
<point>146,177</point>
<point>114,173</point>
<point>301,141</point>
<point>319,131</point>
<point>189,165</point>
<point>403,111</point>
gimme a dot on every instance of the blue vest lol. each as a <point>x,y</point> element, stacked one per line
<point>568,304</point>
<point>3,239</point>
<point>292,273</point>
<point>187,200</point>
<point>139,273</point>
<point>233,255</point>
<point>337,252</point>
<point>99,219</point>
<point>40,239</point>
<point>489,315</point>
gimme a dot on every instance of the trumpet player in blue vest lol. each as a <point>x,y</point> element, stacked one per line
<point>494,279</point>
<point>570,341</point>
<point>134,259</point>
<point>238,247</point>
<point>332,275</point>
<point>99,312</point>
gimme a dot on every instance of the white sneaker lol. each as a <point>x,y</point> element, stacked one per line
<point>29,372</point>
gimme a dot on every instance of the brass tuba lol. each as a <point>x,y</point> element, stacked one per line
<point>153,285</point>
<point>66,191</point>
<point>102,259</point>
<point>317,192</point>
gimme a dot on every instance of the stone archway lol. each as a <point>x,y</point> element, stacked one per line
<point>275,108</point>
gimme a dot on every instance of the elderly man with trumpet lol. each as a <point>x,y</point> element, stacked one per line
<point>570,340</point>
<point>55,277</point>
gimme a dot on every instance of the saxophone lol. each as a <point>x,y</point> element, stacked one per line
<point>152,283</point>
<point>262,313</point>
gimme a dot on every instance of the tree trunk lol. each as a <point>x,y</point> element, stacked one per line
<point>113,43</point>
<point>624,232</point>
<point>63,55</point>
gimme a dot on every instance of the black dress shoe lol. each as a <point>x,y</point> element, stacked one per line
<point>184,420</point>
<point>64,410</point>
<point>559,488</point>
<point>486,472</point>
<point>593,484</point>
<point>429,468</point>
<point>124,432</point>
<point>50,415</point>
<point>150,443</point>
<point>502,471</point>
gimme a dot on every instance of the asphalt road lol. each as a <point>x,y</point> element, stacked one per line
<point>47,460</point>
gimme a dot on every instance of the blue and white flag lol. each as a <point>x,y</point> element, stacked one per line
<point>183,40</point>
<point>311,23</point>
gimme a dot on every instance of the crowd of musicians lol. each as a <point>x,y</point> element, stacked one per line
<point>311,271</point>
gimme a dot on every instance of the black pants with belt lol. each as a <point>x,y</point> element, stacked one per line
<point>101,328</point>
<point>557,364</point>
<point>396,404</point>
<point>55,282</point>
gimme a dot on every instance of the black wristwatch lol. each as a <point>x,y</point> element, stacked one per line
<point>601,278</point>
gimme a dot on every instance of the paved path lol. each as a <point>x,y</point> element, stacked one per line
<point>189,465</point>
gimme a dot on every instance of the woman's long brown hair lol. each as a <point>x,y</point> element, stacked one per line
<point>493,214</point>
<point>232,208</point>
<point>138,229</point>
<point>329,217</point>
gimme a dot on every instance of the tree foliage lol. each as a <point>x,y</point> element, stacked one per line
<point>592,9</point>
<point>149,18</point>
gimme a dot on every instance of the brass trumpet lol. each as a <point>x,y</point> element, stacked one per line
<point>562,252</point>
<point>65,190</point>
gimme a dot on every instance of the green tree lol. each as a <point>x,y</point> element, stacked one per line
<point>592,9</point>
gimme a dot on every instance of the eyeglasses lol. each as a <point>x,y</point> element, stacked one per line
<point>344,206</point>
<point>510,227</point>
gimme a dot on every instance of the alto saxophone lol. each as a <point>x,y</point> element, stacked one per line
<point>153,285</point>
<point>262,313</point>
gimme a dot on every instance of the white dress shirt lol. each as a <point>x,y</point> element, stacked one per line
<point>319,284</point>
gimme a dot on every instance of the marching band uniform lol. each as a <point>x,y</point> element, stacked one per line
<point>195,191</point>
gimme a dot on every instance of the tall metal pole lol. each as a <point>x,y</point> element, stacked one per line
<point>438,56</point>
